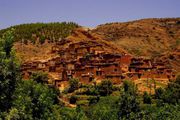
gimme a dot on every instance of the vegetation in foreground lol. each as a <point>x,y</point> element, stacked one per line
<point>32,99</point>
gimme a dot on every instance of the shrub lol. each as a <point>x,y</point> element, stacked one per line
<point>147,98</point>
<point>92,91</point>
<point>171,94</point>
<point>93,100</point>
<point>73,99</point>
<point>105,109</point>
<point>105,87</point>
<point>83,102</point>
<point>73,85</point>
<point>129,87</point>
<point>42,39</point>
<point>128,103</point>
<point>158,93</point>
<point>39,77</point>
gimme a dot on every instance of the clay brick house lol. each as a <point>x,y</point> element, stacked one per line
<point>41,65</point>
<point>97,67</point>
<point>54,49</point>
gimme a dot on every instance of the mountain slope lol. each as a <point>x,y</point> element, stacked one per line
<point>143,37</point>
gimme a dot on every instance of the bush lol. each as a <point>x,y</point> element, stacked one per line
<point>128,103</point>
<point>73,99</point>
<point>105,87</point>
<point>9,71</point>
<point>73,85</point>
<point>171,94</point>
<point>105,109</point>
<point>129,87</point>
<point>92,91</point>
<point>93,100</point>
<point>42,39</point>
<point>39,77</point>
<point>166,112</point>
<point>83,102</point>
<point>158,93</point>
<point>147,98</point>
<point>33,100</point>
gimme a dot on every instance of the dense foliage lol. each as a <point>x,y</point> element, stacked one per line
<point>105,87</point>
<point>9,71</point>
<point>39,77</point>
<point>170,95</point>
<point>43,31</point>
<point>33,100</point>
<point>20,99</point>
<point>73,85</point>
<point>129,103</point>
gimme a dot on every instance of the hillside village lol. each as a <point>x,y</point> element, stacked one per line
<point>115,71</point>
<point>90,60</point>
<point>93,60</point>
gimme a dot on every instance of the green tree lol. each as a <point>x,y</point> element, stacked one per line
<point>73,99</point>
<point>129,103</point>
<point>80,114</point>
<point>33,100</point>
<point>171,94</point>
<point>9,71</point>
<point>73,84</point>
<point>159,92</point>
<point>166,112</point>
<point>105,87</point>
<point>105,109</point>
<point>6,42</point>
<point>39,77</point>
<point>13,114</point>
<point>129,87</point>
<point>147,98</point>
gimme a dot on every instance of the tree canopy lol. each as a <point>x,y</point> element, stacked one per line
<point>43,31</point>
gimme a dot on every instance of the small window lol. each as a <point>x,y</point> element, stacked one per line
<point>98,73</point>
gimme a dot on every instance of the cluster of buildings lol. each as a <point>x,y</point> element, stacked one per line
<point>90,61</point>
